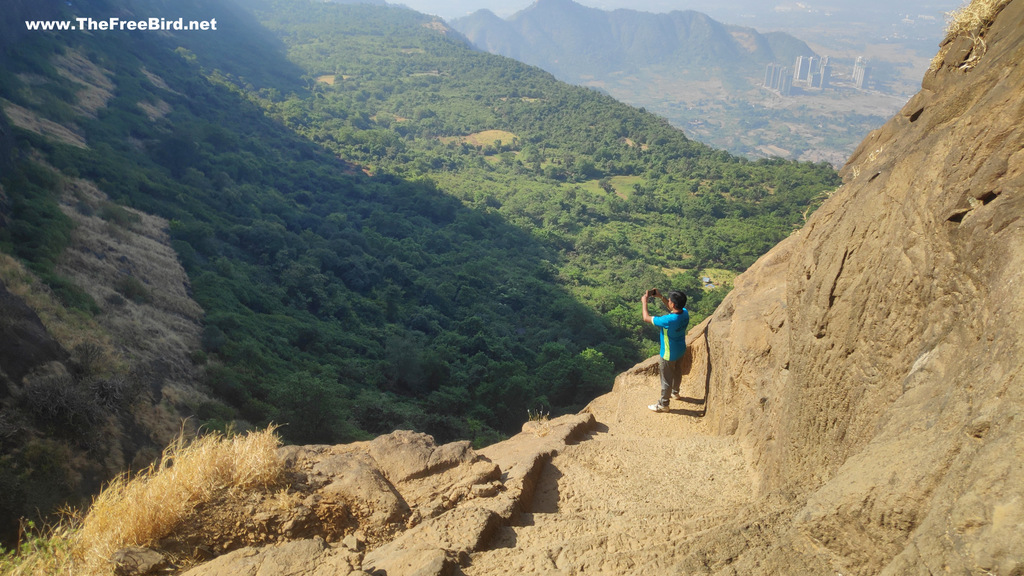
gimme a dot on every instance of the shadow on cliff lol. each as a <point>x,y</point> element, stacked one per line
<point>701,403</point>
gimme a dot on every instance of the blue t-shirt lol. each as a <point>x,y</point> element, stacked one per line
<point>673,334</point>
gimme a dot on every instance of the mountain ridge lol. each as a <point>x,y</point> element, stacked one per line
<point>576,41</point>
<point>705,77</point>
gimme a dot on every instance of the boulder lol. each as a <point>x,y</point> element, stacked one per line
<point>405,455</point>
<point>434,548</point>
<point>138,561</point>
<point>399,504</point>
<point>313,557</point>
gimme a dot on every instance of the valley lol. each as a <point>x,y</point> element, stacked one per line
<point>706,77</point>
<point>378,228</point>
<point>330,291</point>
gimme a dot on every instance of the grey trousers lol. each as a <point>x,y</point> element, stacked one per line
<point>671,375</point>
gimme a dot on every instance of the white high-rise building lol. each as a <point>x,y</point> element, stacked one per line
<point>801,68</point>
<point>861,71</point>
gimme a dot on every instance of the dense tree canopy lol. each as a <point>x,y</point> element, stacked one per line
<point>386,228</point>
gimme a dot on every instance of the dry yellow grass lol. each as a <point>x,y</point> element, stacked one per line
<point>68,327</point>
<point>139,510</point>
<point>28,120</point>
<point>155,110</point>
<point>95,88</point>
<point>973,16</point>
<point>970,20</point>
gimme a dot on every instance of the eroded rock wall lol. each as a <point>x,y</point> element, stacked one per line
<point>873,361</point>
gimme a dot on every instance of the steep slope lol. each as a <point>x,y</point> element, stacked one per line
<point>870,366</point>
<point>340,202</point>
<point>366,259</point>
<point>852,407</point>
<point>12,20</point>
<point>84,398</point>
<point>326,290</point>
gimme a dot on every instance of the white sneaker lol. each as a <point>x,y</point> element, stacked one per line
<point>658,408</point>
<point>676,396</point>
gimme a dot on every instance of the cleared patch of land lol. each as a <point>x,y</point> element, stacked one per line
<point>485,138</point>
<point>331,79</point>
<point>621,185</point>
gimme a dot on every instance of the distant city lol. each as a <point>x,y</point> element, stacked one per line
<point>810,73</point>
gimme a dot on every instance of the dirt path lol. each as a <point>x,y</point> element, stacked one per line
<point>628,497</point>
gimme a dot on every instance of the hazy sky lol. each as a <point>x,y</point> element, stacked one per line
<point>728,11</point>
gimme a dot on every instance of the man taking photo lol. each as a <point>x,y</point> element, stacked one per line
<point>672,333</point>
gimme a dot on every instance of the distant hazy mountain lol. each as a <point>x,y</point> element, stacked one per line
<point>783,14</point>
<point>574,42</point>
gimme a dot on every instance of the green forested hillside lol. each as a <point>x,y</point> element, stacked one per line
<point>386,228</point>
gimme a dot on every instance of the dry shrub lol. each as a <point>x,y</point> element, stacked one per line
<point>140,510</point>
<point>973,17</point>
<point>115,394</point>
<point>970,20</point>
<point>58,403</point>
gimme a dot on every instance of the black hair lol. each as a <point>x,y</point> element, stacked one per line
<point>677,298</point>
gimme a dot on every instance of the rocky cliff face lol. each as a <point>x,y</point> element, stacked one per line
<point>872,362</point>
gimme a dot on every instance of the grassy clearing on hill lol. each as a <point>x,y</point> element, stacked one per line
<point>719,276</point>
<point>484,138</point>
<point>623,186</point>
<point>68,326</point>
